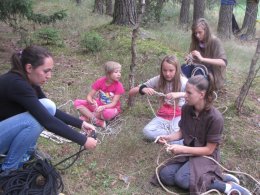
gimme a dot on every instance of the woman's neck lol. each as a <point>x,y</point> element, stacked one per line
<point>199,107</point>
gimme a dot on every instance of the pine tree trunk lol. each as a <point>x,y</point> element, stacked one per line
<point>99,7</point>
<point>199,8</point>
<point>184,14</point>
<point>78,2</point>
<point>249,24</point>
<point>109,7</point>
<point>125,12</point>
<point>225,22</point>
<point>251,76</point>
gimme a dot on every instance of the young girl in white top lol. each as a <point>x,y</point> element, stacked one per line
<point>172,84</point>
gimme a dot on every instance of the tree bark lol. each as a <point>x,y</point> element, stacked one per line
<point>184,14</point>
<point>251,76</point>
<point>78,2</point>
<point>249,23</point>
<point>225,22</point>
<point>125,12</point>
<point>133,51</point>
<point>99,7</point>
<point>109,7</point>
<point>199,8</point>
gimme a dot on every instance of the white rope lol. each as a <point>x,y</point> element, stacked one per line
<point>53,137</point>
<point>114,127</point>
<point>181,155</point>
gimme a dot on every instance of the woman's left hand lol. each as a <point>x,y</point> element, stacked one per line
<point>197,56</point>
<point>88,128</point>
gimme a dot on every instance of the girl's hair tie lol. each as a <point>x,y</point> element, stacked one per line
<point>20,53</point>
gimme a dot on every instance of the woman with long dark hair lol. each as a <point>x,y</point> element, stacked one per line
<point>25,110</point>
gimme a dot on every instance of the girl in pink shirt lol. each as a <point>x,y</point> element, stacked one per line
<point>108,91</point>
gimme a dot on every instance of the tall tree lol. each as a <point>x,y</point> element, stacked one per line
<point>78,2</point>
<point>225,19</point>
<point>99,7</point>
<point>250,78</point>
<point>125,12</point>
<point>184,13</point>
<point>133,50</point>
<point>109,7</point>
<point>249,23</point>
<point>198,10</point>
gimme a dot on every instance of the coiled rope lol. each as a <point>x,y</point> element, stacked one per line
<point>186,155</point>
<point>38,177</point>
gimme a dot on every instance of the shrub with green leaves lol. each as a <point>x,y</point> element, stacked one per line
<point>49,36</point>
<point>92,41</point>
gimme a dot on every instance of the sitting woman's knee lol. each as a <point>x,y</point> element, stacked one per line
<point>165,177</point>
<point>49,105</point>
<point>182,181</point>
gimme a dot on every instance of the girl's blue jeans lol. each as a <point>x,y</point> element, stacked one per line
<point>179,175</point>
<point>19,134</point>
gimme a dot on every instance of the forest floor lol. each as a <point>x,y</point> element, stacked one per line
<point>123,162</point>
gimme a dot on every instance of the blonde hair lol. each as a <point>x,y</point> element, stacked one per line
<point>110,66</point>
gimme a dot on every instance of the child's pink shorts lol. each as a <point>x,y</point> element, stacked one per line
<point>107,114</point>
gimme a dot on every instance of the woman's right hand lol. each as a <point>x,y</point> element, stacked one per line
<point>91,143</point>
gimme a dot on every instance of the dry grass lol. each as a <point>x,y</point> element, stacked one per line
<point>124,163</point>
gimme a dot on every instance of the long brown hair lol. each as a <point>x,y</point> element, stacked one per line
<point>204,83</point>
<point>201,22</point>
<point>33,55</point>
<point>176,82</point>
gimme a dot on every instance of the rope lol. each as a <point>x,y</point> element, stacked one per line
<point>53,137</point>
<point>38,177</point>
<point>181,155</point>
<point>114,127</point>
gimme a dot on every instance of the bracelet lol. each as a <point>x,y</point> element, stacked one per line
<point>141,89</point>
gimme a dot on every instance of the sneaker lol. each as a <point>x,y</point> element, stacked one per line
<point>234,192</point>
<point>99,122</point>
<point>228,177</point>
<point>237,187</point>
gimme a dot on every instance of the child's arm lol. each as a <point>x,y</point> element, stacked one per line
<point>111,105</point>
<point>197,151</point>
<point>134,91</point>
<point>171,137</point>
<point>175,95</point>
<point>90,97</point>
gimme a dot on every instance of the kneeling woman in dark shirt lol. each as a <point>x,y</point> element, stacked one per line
<point>201,127</point>
<point>25,110</point>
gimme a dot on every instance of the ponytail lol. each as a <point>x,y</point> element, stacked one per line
<point>17,66</point>
<point>34,55</point>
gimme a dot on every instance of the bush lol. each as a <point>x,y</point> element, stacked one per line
<point>49,36</point>
<point>92,42</point>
